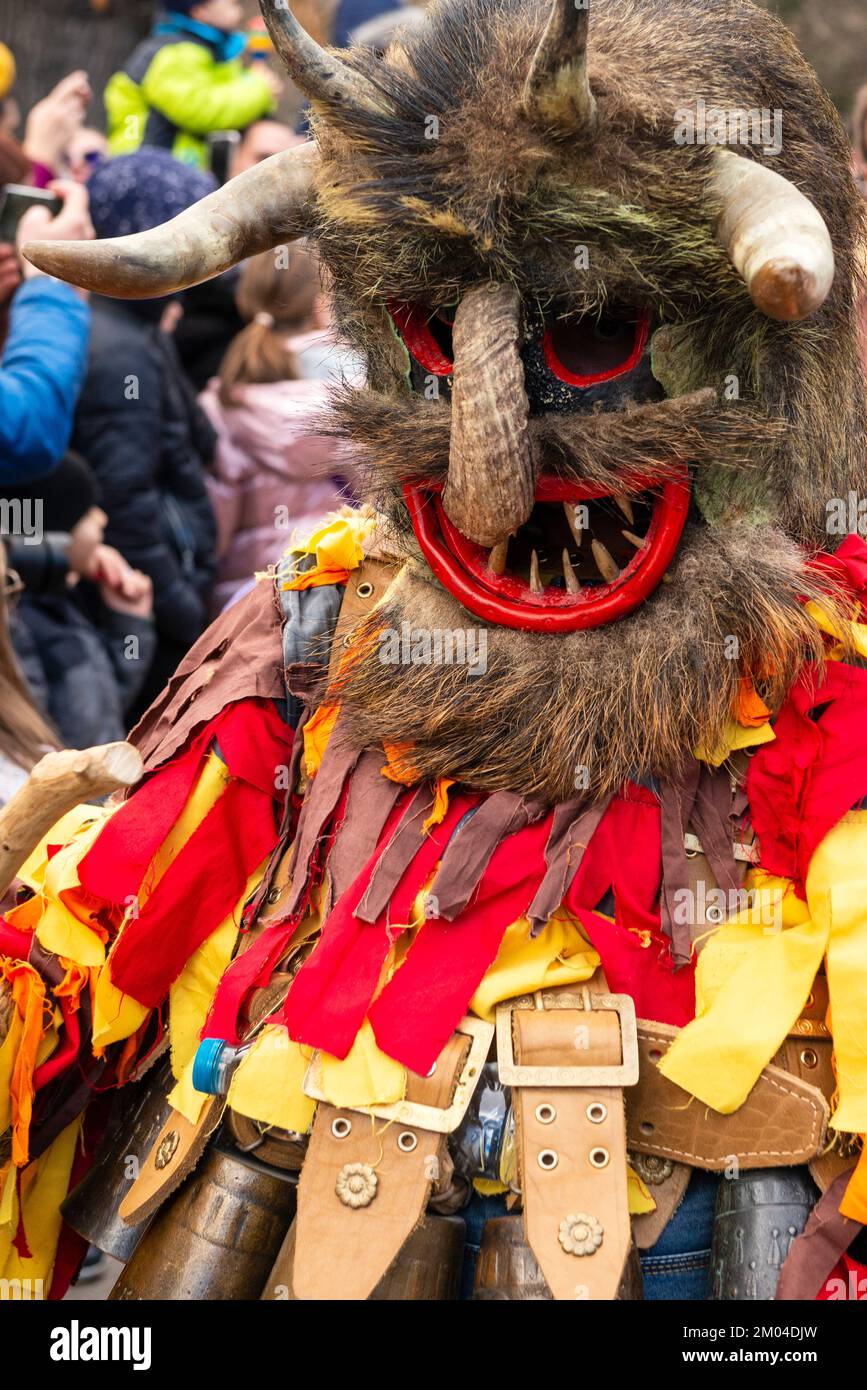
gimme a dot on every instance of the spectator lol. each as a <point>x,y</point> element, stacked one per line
<point>186,80</point>
<point>85,651</point>
<point>272,471</point>
<point>85,153</point>
<point>211,319</point>
<point>262,140</point>
<point>859,155</point>
<point>24,734</point>
<point>138,424</point>
<point>45,352</point>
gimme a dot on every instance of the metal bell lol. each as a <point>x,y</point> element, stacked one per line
<point>758,1215</point>
<point>427,1269</point>
<point>216,1238</point>
<point>138,1115</point>
<point>506,1270</point>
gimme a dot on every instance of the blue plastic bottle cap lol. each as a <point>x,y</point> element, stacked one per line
<point>206,1065</point>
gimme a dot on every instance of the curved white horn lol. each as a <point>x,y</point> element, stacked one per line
<point>775,237</point>
<point>251,213</point>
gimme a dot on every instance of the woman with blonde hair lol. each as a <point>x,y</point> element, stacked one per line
<point>272,472</point>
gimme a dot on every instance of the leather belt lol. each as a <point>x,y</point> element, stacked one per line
<point>365,1185</point>
<point>568,1053</point>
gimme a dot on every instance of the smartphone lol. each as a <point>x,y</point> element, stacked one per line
<point>222,145</point>
<point>15,199</point>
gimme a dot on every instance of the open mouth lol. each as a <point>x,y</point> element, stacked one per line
<point>583,558</point>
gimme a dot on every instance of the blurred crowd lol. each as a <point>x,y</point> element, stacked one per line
<point>155,454</point>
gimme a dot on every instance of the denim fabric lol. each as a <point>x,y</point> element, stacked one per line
<point>678,1265</point>
<point>479,1211</point>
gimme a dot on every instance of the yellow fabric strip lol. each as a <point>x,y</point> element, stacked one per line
<point>559,955</point>
<point>44,1186</point>
<point>754,977</point>
<point>267,1084</point>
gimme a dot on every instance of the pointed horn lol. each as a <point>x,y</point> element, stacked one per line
<point>774,236</point>
<point>491,483</point>
<point>259,209</point>
<point>320,75</point>
<point>557,93</point>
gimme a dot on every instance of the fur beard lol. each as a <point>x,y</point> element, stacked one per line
<point>554,715</point>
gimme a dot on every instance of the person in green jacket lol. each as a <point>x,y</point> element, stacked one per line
<point>185,80</point>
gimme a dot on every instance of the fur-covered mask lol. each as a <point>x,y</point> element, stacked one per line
<point>613,371</point>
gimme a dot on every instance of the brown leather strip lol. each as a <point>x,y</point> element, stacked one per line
<point>814,1253</point>
<point>369,803</point>
<point>346,1239</point>
<point>468,853</point>
<point>572,828</point>
<point>782,1121</point>
<point>576,1213</point>
<point>397,856</point>
<point>175,1153</point>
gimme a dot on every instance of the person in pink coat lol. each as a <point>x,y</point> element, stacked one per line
<point>273,473</point>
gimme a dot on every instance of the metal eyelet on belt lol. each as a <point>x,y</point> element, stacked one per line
<point>341,1127</point>
<point>545,1114</point>
<point>809,1058</point>
<point>548,1160</point>
<point>714,914</point>
<point>599,1158</point>
<point>364,590</point>
<point>596,1112</point>
<point>407,1141</point>
<point>274,895</point>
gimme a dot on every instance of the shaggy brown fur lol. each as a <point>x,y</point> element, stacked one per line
<point>406,216</point>
<point>621,702</point>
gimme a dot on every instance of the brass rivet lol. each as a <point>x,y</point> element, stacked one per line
<point>597,1112</point>
<point>545,1114</point>
<point>646,1127</point>
<point>274,895</point>
<point>341,1127</point>
<point>347,641</point>
<point>809,1057</point>
<point>548,1159</point>
<point>407,1141</point>
<point>599,1158</point>
<point>364,590</point>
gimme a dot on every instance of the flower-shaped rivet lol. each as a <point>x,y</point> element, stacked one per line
<point>356,1184</point>
<point>580,1234</point>
<point>166,1149</point>
<point>652,1168</point>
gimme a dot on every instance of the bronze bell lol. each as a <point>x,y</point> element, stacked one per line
<point>138,1114</point>
<point>507,1271</point>
<point>427,1269</point>
<point>216,1238</point>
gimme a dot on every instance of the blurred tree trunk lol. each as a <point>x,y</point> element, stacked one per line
<point>52,37</point>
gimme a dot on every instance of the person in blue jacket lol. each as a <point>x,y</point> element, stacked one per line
<point>44,358</point>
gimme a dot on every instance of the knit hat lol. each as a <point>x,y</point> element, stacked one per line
<point>66,495</point>
<point>141,190</point>
<point>7,71</point>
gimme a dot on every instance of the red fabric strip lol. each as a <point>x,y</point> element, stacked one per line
<point>815,771</point>
<point>420,1007</point>
<point>197,891</point>
<point>331,993</point>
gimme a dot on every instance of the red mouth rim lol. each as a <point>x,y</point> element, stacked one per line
<point>462,567</point>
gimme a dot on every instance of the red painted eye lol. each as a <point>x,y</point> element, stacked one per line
<point>427,334</point>
<point>583,350</point>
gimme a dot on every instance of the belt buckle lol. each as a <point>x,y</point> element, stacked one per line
<point>624,1074</point>
<point>441,1120</point>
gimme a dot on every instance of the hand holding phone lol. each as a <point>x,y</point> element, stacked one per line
<point>72,223</point>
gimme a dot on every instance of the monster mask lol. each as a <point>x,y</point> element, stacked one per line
<point>613,371</point>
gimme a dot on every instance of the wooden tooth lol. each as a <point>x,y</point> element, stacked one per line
<point>605,561</point>
<point>573,583</point>
<point>571,510</point>
<point>633,540</point>
<point>625,506</point>
<point>498,557</point>
<point>535,577</point>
